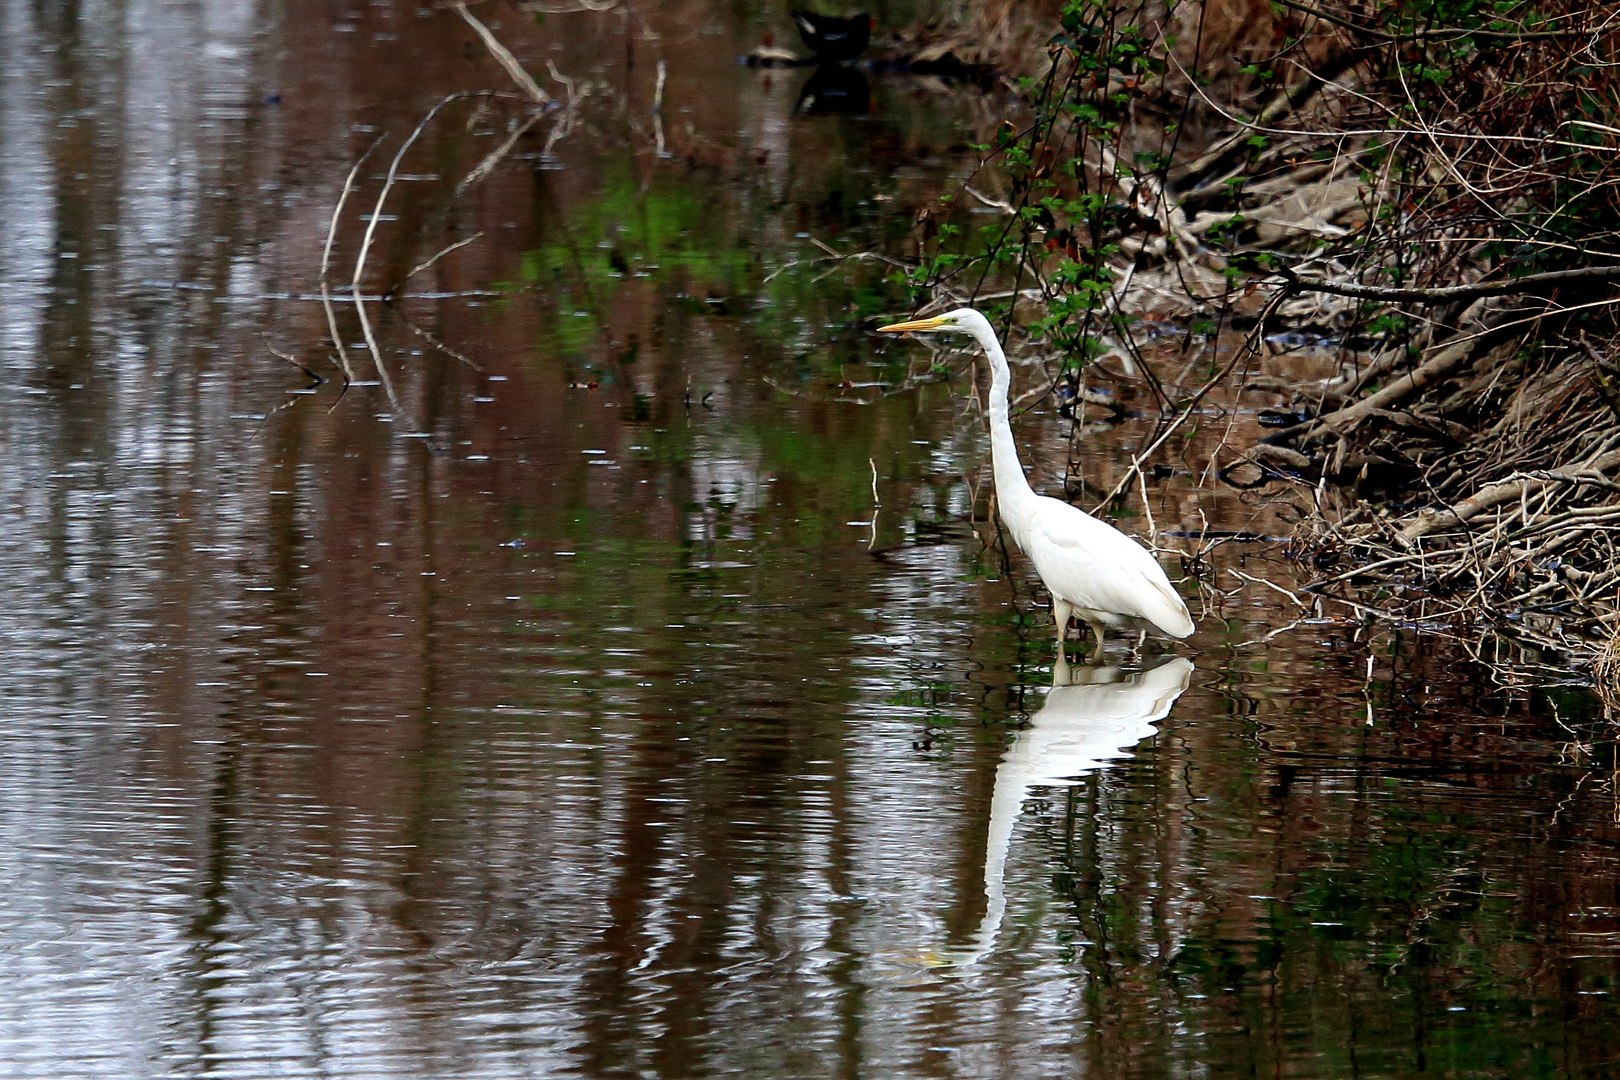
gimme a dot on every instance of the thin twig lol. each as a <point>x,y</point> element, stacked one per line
<point>498,155</point>
<point>441,346</point>
<point>370,235</point>
<point>421,266</point>
<point>326,262</point>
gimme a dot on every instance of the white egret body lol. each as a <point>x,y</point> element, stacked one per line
<point>1091,568</point>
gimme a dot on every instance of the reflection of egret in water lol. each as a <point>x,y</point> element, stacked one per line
<point>1092,716</point>
<point>833,88</point>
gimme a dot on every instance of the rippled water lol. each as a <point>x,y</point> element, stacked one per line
<point>628,701</point>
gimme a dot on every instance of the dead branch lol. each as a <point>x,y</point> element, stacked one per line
<point>326,263</point>
<point>371,234</point>
<point>502,55</point>
<point>1530,283</point>
<point>1431,520</point>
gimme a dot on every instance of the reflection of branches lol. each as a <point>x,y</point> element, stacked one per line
<point>564,126</point>
<point>571,8</point>
<point>441,346</point>
<point>503,55</point>
<point>559,131</point>
<point>356,292</point>
<point>836,257</point>
<point>658,107</point>
<point>314,381</point>
<point>371,232</point>
<point>907,385</point>
<point>326,262</point>
<point>497,155</point>
<point>426,263</point>
<point>538,98</point>
<point>1247,352</point>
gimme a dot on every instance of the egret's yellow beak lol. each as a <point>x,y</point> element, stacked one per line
<point>917,324</point>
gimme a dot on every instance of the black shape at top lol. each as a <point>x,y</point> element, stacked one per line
<point>833,39</point>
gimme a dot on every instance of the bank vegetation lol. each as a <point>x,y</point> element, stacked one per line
<point>1429,187</point>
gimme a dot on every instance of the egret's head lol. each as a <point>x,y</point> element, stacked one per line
<point>962,319</point>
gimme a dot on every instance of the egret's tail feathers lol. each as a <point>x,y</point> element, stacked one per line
<point>1171,615</point>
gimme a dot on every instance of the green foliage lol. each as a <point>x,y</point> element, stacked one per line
<point>686,240</point>
<point>1502,138</point>
<point>1067,221</point>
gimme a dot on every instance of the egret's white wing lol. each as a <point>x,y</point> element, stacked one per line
<point>1093,565</point>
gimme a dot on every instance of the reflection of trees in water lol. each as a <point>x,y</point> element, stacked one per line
<point>1284,889</point>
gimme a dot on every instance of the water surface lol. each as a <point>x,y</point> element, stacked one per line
<point>641,692</point>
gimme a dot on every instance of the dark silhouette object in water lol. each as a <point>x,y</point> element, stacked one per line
<point>834,40</point>
<point>835,88</point>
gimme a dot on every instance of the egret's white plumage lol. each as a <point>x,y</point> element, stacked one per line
<point>1091,568</point>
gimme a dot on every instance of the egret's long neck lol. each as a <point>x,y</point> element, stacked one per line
<point>1013,493</point>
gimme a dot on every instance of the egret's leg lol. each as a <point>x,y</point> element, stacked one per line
<point>1097,628</point>
<point>1062,612</point>
<point>1062,675</point>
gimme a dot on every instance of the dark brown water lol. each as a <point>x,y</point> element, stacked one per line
<point>575,717</point>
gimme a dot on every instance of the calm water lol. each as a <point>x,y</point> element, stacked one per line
<point>629,701</point>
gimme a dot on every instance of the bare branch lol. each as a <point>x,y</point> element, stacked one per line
<point>502,55</point>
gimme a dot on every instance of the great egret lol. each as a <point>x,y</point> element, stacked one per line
<point>1093,716</point>
<point>1091,568</point>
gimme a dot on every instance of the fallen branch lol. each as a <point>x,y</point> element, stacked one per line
<point>1495,495</point>
<point>1446,293</point>
<point>1447,359</point>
